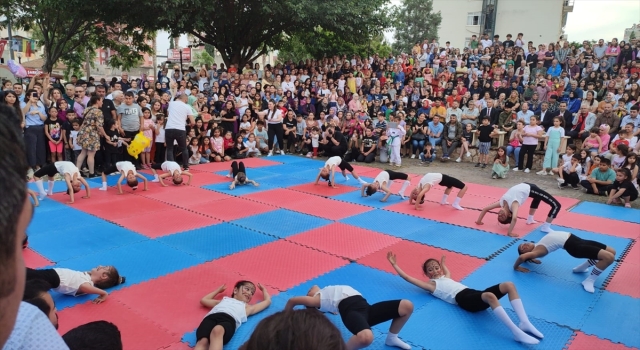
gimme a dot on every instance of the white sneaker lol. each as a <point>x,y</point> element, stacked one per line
<point>282,153</point>
<point>413,156</point>
<point>270,154</point>
<point>458,160</point>
<point>309,155</point>
<point>527,170</point>
<point>542,172</point>
<point>516,169</point>
<point>468,154</point>
<point>560,181</point>
<point>550,173</point>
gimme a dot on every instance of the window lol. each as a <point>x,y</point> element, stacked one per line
<point>473,18</point>
<point>467,41</point>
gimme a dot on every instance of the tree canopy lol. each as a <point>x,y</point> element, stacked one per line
<point>414,21</point>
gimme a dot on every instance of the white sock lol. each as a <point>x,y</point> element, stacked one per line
<point>50,184</point>
<point>346,177</point>
<point>155,178</point>
<point>456,204</point>
<point>444,199</point>
<point>362,182</point>
<point>393,340</point>
<point>546,227</point>
<point>525,324</point>
<point>530,220</point>
<point>584,267</point>
<point>588,283</point>
<point>41,190</point>
<point>403,188</point>
<point>104,186</point>
<point>518,334</point>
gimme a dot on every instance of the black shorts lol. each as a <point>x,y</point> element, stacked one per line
<point>448,182</point>
<point>344,165</point>
<point>582,248</point>
<point>357,315</point>
<point>217,319</point>
<point>50,170</point>
<point>471,299</point>
<point>48,275</point>
<point>394,175</point>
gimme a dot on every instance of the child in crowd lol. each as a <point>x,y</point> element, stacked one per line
<point>622,189</point>
<point>195,157</point>
<point>395,135</point>
<point>315,143</point>
<point>161,149</point>
<point>600,178</point>
<point>148,128</point>
<point>228,145</point>
<point>245,124</point>
<point>593,143</point>
<point>500,164</point>
<point>595,163</point>
<point>431,179</point>
<point>585,164</point>
<point>239,150</point>
<point>67,128</point>
<point>252,148</point>
<point>426,156</point>
<point>382,182</point>
<point>205,149</point>
<point>570,173</point>
<point>531,135</point>
<point>619,155</point>
<point>485,133</point>
<point>74,283</point>
<point>171,169</point>
<point>467,139</point>
<point>566,157</point>
<point>239,175</point>
<point>113,146</point>
<point>126,170</point>
<point>261,137</point>
<point>71,176</point>
<point>603,132</point>
<point>383,146</point>
<point>328,171</point>
<point>552,147</point>
<point>226,315</point>
<point>631,163</point>
<point>301,125</point>
<point>217,147</point>
<point>53,131</point>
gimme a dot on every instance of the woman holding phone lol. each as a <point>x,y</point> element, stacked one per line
<point>34,137</point>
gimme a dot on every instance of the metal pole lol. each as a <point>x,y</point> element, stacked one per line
<point>10,39</point>
<point>180,61</point>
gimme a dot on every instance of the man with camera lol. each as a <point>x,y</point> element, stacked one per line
<point>334,143</point>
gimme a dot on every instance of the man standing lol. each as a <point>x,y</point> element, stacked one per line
<point>125,85</point>
<point>80,100</point>
<point>175,129</point>
<point>108,108</point>
<point>130,121</point>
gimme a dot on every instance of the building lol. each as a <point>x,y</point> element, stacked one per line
<point>540,21</point>
<point>635,29</point>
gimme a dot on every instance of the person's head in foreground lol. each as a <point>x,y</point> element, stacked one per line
<point>36,293</point>
<point>97,335</point>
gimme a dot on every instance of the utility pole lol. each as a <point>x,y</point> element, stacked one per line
<point>11,56</point>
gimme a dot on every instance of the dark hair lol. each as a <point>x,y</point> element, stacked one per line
<point>504,148</point>
<point>13,171</point>
<point>594,130</point>
<point>128,94</point>
<point>240,284</point>
<point>132,183</point>
<point>307,329</point>
<point>97,335</point>
<point>94,99</point>
<point>623,149</point>
<point>605,161</point>
<point>370,191</point>
<point>626,172</point>
<point>34,288</point>
<point>424,265</point>
<point>576,157</point>
<point>177,181</point>
<point>242,177</point>
<point>507,220</point>
<point>113,279</point>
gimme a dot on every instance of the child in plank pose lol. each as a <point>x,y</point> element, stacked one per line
<point>511,201</point>
<point>126,169</point>
<point>226,316</point>
<point>171,169</point>
<point>444,288</point>
<point>431,179</point>
<point>74,283</point>
<point>357,314</point>
<point>71,176</point>
<point>328,171</point>
<point>382,182</point>
<point>239,175</point>
<point>598,254</point>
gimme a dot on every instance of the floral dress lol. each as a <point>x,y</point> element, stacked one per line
<point>88,136</point>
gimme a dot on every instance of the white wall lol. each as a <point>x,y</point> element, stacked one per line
<point>540,21</point>
<point>454,27</point>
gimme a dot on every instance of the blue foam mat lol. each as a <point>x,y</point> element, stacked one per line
<point>252,173</point>
<point>112,180</point>
<point>307,172</point>
<point>61,186</point>
<point>615,317</point>
<point>56,218</point>
<point>139,262</point>
<point>216,241</point>
<point>391,223</point>
<point>238,190</point>
<point>280,182</point>
<point>86,240</point>
<point>445,326</point>
<point>549,298</point>
<point>461,239</point>
<point>49,204</point>
<point>373,201</point>
<point>273,223</point>
<point>614,212</point>
<point>340,180</point>
<point>298,160</point>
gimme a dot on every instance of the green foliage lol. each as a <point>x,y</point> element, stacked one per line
<point>201,58</point>
<point>632,35</point>
<point>414,21</point>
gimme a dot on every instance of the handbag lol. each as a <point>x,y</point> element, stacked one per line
<point>418,137</point>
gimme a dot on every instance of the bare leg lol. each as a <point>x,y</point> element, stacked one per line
<point>91,161</point>
<point>81,157</point>
<point>217,333</point>
<point>405,309</point>
<point>202,344</point>
<point>361,340</point>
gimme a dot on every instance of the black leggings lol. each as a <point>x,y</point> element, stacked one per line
<point>583,249</point>
<point>394,175</point>
<point>110,170</point>
<point>161,151</point>
<point>529,150</point>
<point>276,130</point>
<point>540,195</point>
<point>237,168</point>
<point>450,181</point>
<point>48,275</point>
<point>50,170</point>
<point>357,315</point>
<point>571,178</point>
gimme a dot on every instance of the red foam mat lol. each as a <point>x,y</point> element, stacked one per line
<point>248,162</point>
<point>598,225</point>
<point>279,197</point>
<point>164,222</point>
<point>466,218</point>
<point>289,263</point>
<point>625,280</point>
<point>633,255</point>
<point>179,295</point>
<point>229,209</point>
<point>138,332</point>
<point>34,260</point>
<point>322,190</point>
<point>122,206</point>
<point>344,240</point>
<point>365,170</point>
<point>326,208</point>
<point>582,341</point>
<point>202,179</point>
<point>181,195</point>
<point>411,256</point>
<point>178,346</point>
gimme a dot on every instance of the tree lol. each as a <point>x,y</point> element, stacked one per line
<point>632,35</point>
<point>201,58</point>
<point>243,30</point>
<point>415,21</point>
<point>74,27</point>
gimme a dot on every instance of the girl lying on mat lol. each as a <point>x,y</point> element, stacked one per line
<point>511,201</point>
<point>171,169</point>
<point>357,314</point>
<point>443,287</point>
<point>382,182</point>
<point>239,175</point>
<point>226,315</point>
<point>77,283</point>
<point>431,179</point>
<point>598,254</point>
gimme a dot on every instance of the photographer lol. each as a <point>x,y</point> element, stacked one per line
<point>334,143</point>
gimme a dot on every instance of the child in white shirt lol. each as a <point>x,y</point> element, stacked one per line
<point>70,282</point>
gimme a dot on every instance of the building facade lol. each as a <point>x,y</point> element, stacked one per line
<point>540,21</point>
<point>635,29</point>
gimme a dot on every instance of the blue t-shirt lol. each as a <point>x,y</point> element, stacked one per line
<point>436,129</point>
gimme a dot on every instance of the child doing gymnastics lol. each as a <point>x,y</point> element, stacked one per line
<point>598,254</point>
<point>219,325</point>
<point>357,314</point>
<point>328,171</point>
<point>239,175</point>
<point>171,169</point>
<point>441,286</point>
<point>431,179</point>
<point>74,283</point>
<point>71,176</point>
<point>382,182</point>
<point>127,170</point>
<point>511,201</point>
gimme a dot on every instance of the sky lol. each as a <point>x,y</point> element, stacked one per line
<point>584,23</point>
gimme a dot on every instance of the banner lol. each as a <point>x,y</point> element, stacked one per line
<point>174,55</point>
<point>3,43</point>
